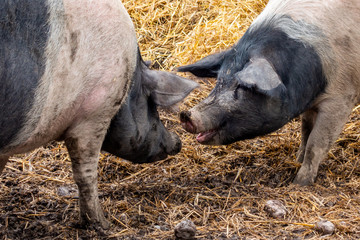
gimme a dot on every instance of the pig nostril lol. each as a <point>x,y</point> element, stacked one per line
<point>185,116</point>
<point>186,122</point>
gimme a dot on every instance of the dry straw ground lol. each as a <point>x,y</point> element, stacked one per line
<point>223,190</point>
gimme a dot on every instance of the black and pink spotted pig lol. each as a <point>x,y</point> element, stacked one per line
<point>299,57</point>
<point>72,71</point>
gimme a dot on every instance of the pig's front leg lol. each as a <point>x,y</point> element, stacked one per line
<point>307,123</point>
<point>330,119</point>
<point>84,146</point>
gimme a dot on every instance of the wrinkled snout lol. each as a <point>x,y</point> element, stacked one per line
<point>205,125</point>
<point>194,121</point>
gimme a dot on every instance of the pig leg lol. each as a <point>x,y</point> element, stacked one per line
<point>3,161</point>
<point>330,119</point>
<point>307,123</point>
<point>84,144</point>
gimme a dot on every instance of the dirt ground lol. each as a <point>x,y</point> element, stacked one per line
<point>223,190</point>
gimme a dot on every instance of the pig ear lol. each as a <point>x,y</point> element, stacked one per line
<point>167,89</point>
<point>206,67</point>
<point>261,77</point>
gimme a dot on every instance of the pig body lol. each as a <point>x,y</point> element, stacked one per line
<point>297,57</point>
<point>72,71</point>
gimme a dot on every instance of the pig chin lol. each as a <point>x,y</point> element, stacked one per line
<point>173,146</point>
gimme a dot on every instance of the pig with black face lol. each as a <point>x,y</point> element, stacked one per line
<point>136,133</point>
<point>298,57</point>
<point>72,71</point>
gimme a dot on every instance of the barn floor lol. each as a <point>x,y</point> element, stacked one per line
<point>223,190</point>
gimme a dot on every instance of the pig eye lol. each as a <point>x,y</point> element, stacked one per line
<point>244,89</point>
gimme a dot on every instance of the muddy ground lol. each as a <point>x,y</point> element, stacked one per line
<point>222,190</point>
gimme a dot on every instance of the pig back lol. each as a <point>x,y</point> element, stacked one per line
<point>331,27</point>
<point>90,58</point>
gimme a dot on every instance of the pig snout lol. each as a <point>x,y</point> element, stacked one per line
<point>171,146</point>
<point>207,128</point>
<point>186,121</point>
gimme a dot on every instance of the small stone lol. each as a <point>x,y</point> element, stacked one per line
<point>185,230</point>
<point>63,191</point>
<point>67,191</point>
<point>275,208</point>
<point>325,227</point>
<point>124,218</point>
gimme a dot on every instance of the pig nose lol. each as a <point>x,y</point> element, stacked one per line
<point>186,122</point>
<point>185,116</point>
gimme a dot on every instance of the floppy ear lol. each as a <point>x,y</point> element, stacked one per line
<point>261,77</point>
<point>207,67</point>
<point>165,88</point>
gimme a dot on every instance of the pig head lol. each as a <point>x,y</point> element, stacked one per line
<point>136,132</point>
<point>254,105</point>
<point>255,92</point>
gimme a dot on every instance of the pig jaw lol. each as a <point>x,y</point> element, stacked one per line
<point>140,145</point>
<point>170,145</point>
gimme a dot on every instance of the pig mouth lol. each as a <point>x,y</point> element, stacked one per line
<point>203,137</point>
<point>207,136</point>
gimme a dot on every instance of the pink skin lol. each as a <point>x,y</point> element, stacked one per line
<point>206,136</point>
<point>202,137</point>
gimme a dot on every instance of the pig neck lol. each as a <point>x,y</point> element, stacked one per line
<point>302,73</point>
<point>123,125</point>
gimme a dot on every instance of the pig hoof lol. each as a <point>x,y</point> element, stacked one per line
<point>303,180</point>
<point>95,225</point>
<point>105,225</point>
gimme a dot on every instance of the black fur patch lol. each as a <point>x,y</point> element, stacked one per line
<point>206,67</point>
<point>297,63</point>
<point>119,139</point>
<point>24,32</point>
